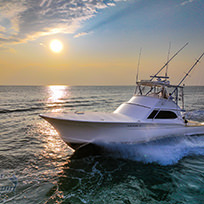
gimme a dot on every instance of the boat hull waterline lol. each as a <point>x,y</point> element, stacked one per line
<point>78,133</point>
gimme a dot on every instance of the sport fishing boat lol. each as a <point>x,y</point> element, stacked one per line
<point>152,113</point>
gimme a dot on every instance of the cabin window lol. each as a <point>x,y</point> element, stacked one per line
<point>162,115</point>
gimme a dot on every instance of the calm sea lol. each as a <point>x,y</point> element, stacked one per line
<point>37,167</point>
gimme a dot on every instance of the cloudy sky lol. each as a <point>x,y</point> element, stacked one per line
<point>100,40</point>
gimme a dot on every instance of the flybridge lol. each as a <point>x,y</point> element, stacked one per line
<point>156,83</point>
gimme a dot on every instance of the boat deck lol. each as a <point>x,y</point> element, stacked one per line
<point>98,117</point>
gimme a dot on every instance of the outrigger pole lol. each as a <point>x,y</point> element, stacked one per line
<point>168,59</point>
<point>196,62</point>
<point>138,65</point>
<point>168,62</point>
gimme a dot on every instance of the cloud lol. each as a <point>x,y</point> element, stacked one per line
<point>2,29</point>
<point>131,8</point>
<point>43,45</point>
<point>186,2</point>
<point>111,4</point>
<point>23,20</point>
<point>7,49</point>
<point>80,34</point>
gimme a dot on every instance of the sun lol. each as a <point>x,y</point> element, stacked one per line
<point>56,46</point>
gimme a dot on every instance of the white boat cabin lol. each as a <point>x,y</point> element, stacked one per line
<point>154,101</point>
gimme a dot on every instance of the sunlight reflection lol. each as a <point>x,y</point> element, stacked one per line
<point>54,147</point>
<point>57,110</point>
<point>58,93</point>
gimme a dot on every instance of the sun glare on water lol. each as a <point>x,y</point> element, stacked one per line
<point>56,46</point>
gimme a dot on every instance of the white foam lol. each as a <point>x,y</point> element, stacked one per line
<point>164,152</point>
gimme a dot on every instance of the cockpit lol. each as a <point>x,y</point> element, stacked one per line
<point>160,89</point>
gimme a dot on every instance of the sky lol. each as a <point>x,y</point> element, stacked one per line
<point>100,41</point>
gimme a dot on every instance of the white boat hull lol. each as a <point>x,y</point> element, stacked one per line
<point>78,133</point>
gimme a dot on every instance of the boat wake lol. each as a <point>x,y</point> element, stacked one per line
<point>196,115</point>
<point>166,151</point>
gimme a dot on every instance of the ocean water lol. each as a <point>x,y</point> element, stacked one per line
<point>36,166</point>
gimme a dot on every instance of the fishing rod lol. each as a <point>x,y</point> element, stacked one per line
<point>138,65</point>
<point>168,62</point>
<point>196,62</point>
<point>168,59</point>
<point>176,88</point>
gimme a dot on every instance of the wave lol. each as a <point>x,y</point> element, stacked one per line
<point>166,151</point>
<point>197,115</point>
<point>50,106</point>
<point>18,110</point>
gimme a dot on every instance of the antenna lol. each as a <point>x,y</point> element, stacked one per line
<point>138,66</point>
<point>168,62</point>
<point>167,66</point>
<point>196,62</point>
